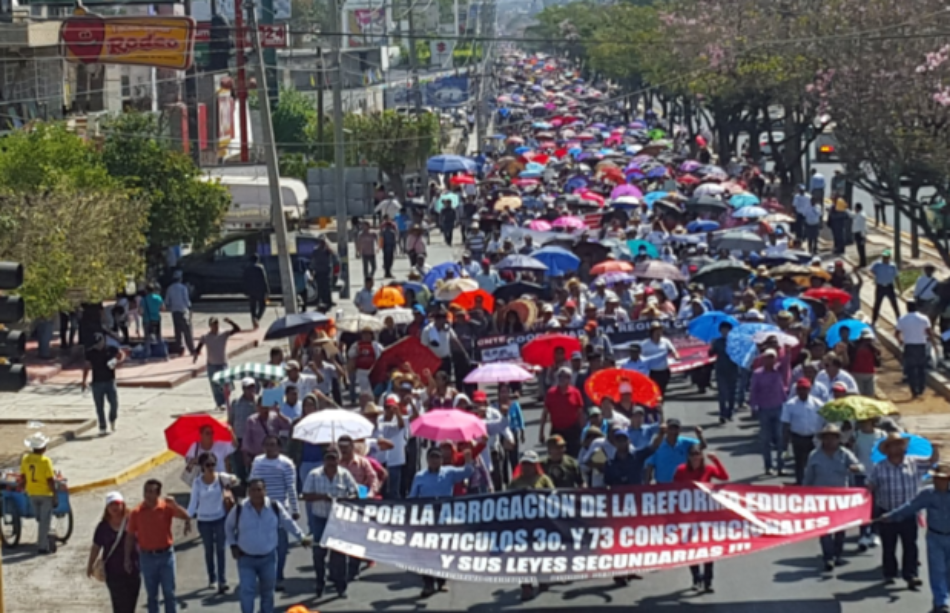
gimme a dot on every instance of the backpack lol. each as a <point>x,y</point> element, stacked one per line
<point>274,505</point>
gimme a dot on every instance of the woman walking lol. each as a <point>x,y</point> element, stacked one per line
<point>211,499</point>
<point>109,541</point>
<point>696,469</point>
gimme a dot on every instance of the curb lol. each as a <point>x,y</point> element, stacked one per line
<point>128,474</point>
<point>188,374</point>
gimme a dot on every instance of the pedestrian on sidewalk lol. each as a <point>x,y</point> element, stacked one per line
<point>812,215</point>
<point>252,530</point>
<point>925,294</point>
<point>816,185</point>
<point>936,501</point>
<point>280,479</point>
<point>767,394</point>
<point>800,203</point>
<point>914,333</point>
<point>366,245</point>
<point>831,465</point>
<point>150,528</point>
<point>859,229</point>
<point>257,289</point>
<point>217,343</point>
<point>39,483</point>
<point>801,423</point>
<point>416,246</point>
<point>109,540</point>
<point>323,261</point>
<point>211,499</point>
<point>179,303</point>
<point>102,359</point>
<point>885,285</point>
<point>152,307</point>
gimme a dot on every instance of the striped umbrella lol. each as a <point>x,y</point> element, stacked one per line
<point>255,370</point>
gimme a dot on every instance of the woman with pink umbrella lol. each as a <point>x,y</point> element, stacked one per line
<point>570,223</point>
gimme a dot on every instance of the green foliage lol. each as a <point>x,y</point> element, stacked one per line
<point>293,116</point>
<point>50,156</point>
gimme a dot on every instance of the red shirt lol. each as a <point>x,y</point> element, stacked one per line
<point>152,526</point>
<point>564,408</point>
<point>863,361</point>
<point>712,469</point>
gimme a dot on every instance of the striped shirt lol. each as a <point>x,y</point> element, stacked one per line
<point>896,484</point>
<point>280,479</point>
<point>476,242</point>
<point>342,485</point>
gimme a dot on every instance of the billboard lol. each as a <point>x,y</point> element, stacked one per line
<point>366,25</point>
<point>447,92</point>
<point>161,42</point>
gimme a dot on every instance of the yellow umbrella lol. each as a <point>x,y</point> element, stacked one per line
<point>856,408</point>
<point>508,202</point>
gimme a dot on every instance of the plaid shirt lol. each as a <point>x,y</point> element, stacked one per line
<point>896,484</point>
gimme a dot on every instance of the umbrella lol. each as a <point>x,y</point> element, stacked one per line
<point>743,200</point>
<point>740,240</point>
<point>709,189</point>
<point>439,272</point>
<point>589,196</point>
<point>705,204</point>
<point>186,431</point>
<point>388,297</point>
<point>790,270</point>
<point>651,198</point>
<point>606,384</point>
<point>540,350</point>
<point>498,372</point>
<point>706,326</point>
<point>450,163</point>
<point>917,447</point>
<point>539,225</point>
<point>448,199</point>
<point>658,270</point>
<point>702,225</point>
<point>740,345</point>
<point>853,326</point>
<point>521,262</point>
<point>856,407</point>
<point>569,222</point>
<point>637,245</point>
<point>828,294</point>
<point>453,288</point>
<point>400,315</point>
<point>626,190</point>
<point>409,349</point>
<point>783,339</point>
<point>462,180</point>
<point>292,325</point>
<point>448,425</point>
<point>626,202</point>
<point>328,425</point>
<point>611,266</point>
<point>612,278</point>
<point>749,212</point>
<point>355,322</point>
<point>255,370</point>
<point>512,291</point>
<point>725,272</point>
<point>508,202</point>
<point>466,300</point>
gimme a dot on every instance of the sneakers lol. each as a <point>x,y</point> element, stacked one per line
<point>223,588</point>
<point>875,541</point>
<point>112,426</point>
<point>103,432</point>
<point>863,543</point>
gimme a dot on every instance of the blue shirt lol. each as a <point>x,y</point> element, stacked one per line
<point>884,274</point>
<point>256,534</point>
<point>176,298</point>
<point>668,458</point>
<point>937,505</point>
<point>628,470</point>
<point>515,417</point>
<point>642,436</point>
<point>428,484</point>
<point>817,181</point>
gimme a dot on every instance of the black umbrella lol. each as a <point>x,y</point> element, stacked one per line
<point>778,259</point>
<point>740,240</point>
<point>292,325</point>
<point>516,290</point>
<point>725,272</point>
<point>706,204</point>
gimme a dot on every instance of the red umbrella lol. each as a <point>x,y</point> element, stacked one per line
<point>688,180</point>
<point>589,196</point>
<point>540,350</point>
<point>611,266</point>
<point>559,153</point>
<point>466,300</point>
<point>186,431</point>
<point>606,384</point>
<point>614,175</point>
<point>462,180</point>
<point>829,294</point>
<point>409,349</point>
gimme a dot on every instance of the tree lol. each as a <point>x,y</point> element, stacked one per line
<point>50,156</point>
<point>182,208</point>
<point>295,114</point>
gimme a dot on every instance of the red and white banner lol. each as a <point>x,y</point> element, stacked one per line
<point>272,35</point>
<point>593,221</point>
<point>569,535</point>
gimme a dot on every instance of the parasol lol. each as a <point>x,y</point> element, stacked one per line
<point>498,372</point>
<point>606,384</point>
<point>540,350</point>
<point>186,431</point>
<point>409,349</point>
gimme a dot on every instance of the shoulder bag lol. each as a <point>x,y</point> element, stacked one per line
<point>99,566</point>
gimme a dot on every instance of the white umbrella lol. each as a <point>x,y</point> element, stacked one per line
<point>355,323</point>
<point>709,189</point>
<point>329,425</point>
<point>785,340</point>
<point>400,315</point>
<point>451,289</point>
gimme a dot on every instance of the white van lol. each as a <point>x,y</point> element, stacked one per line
<point>251,204</point>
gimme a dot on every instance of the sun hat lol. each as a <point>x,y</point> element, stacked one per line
<point>113,497</point>
<point>36,441</point>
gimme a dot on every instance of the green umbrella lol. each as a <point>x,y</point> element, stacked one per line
<point>449,198</point>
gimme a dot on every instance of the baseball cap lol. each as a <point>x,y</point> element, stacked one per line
<point>638,409</point>
<point>839,387</point>
<point>804,382</point>
<point>770,352</point>
<point>557,440</point>
<point>479,396</point>
<point>530,457</point>
<point>594,411</point>
<point>886,253</point>
<point>112,497</point>
<point>391,399</point>
<point>406,385</point>
<point>577,356</point>
<point>292,365</point>
<point>434,451</point>
<point>674,422</point>
<point>248,382</point>
<point>564,371</point>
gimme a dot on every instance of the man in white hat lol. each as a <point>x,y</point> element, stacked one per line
<point>39,483</point>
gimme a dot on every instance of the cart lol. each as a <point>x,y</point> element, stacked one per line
<point>15,506</point>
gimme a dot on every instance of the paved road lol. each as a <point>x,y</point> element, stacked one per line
<point>785,579</point>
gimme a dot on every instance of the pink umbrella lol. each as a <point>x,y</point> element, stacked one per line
<point>448,425</point>
<point>525,182</point>
<point>499,372</point>
<point>586,194</point>
<point>569,222</point>
<point>626,190</point>
<point>550,106</point>
<point>539,225</point>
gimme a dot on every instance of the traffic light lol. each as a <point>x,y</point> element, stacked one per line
<point>12,342</point>
<point>219,47</point>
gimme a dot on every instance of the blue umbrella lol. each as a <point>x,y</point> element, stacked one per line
<point>749,212</point>
<point>541,125</point>
<point>450,163</point>
<point>558,260</point>
<point>521,262</point>
<point>532,203</point>
<point>448,198</point>
<point>702,225</point>
<point>652,197</point>
<point>529,174</point>
<point>522,149</point>
<point>740,345</point>
<point>788,303</point>
<point>833,336</point>
<point>918,447</point>
<point>439,272</point>
<point>575,151</point>
<point>742,200</point>
<point>637,245</point>
<point>657,172</point>
<point>534,167</point>
<point>575,183</point>
<point>706,326</point>
<point>634,174</point>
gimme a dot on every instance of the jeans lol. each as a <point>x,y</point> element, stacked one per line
<point>369,265</point>
<point>258,575</point>
<point>388,256</point>
<point>158,570</point>
<point>324,285</point>
<point>217,390</point>
<point>880,293</point>
<point>124,592</point>
<point>212,538</point>
<point>257,305</point>
<point>102,391</point>
<point>726,386</point>
<point>832,546</point>
<point>915,367</point>
<point>770,435</point>
<point>938,565</point>
<point>904,531</point>
<point>706,576</point>
<point>182,326</point>
<point>802,446</point>
<point>43,510</point>
<point>860,243</point>
<point>865,382</point>
<point>337,566</point>
<point>283,545</point>
<point>745,375</point>
<point>393,485</point>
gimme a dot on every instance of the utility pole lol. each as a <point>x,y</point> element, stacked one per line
<point>240,34</point>
<point>278,220</point>
<point>413,64</point>
<point>191,103</point>
<point>339,153</point>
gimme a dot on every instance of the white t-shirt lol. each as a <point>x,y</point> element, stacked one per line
<point>220,449</point>
<point>391,431</point>
<point>657,354</point>
<point>913,328</point>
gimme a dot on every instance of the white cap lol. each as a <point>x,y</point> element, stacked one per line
<point>248,382</point>
<point>770,352</point>
<point>754,314</point>
<point>37,441</point>
<point>114,497</point>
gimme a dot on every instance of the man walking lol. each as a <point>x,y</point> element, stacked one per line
<point>322,262</point>
<point>388,240</point>
<point>280,479</point>
<point>251,530</point>
<point>727,374</point>
<point>257,289</point>
<point>150,527</point>
<point>914,333</point>
<point>39,483</point>
<point>240,410</point>
<point>217,343</point>
<point>859,229</point>
<point>564,406</point>
<point>767,394</point>
<point>179,303</point>
<point>816,185</point>
<point>801,203</point>
<point>800,425</point>
<point>102,360</point>
<point>366,244</point>
<point>885,281</point>
<point>924,292</point>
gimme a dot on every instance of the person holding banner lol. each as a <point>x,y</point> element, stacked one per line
<point>672,452</point>
<point>531,477</point>
<point>564,406</point>
<point>697,470</point>
<point>658,350</point>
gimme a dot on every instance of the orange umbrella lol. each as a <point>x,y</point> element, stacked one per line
<point>466,300</point>
<point>606,384</point>
<point>389,297</point>
<point>611,266</point>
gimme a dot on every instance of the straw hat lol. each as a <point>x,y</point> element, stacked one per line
<point>941,472</point>
<point>37,441</point>
<point>891,439</point>
<point>830,429</point>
